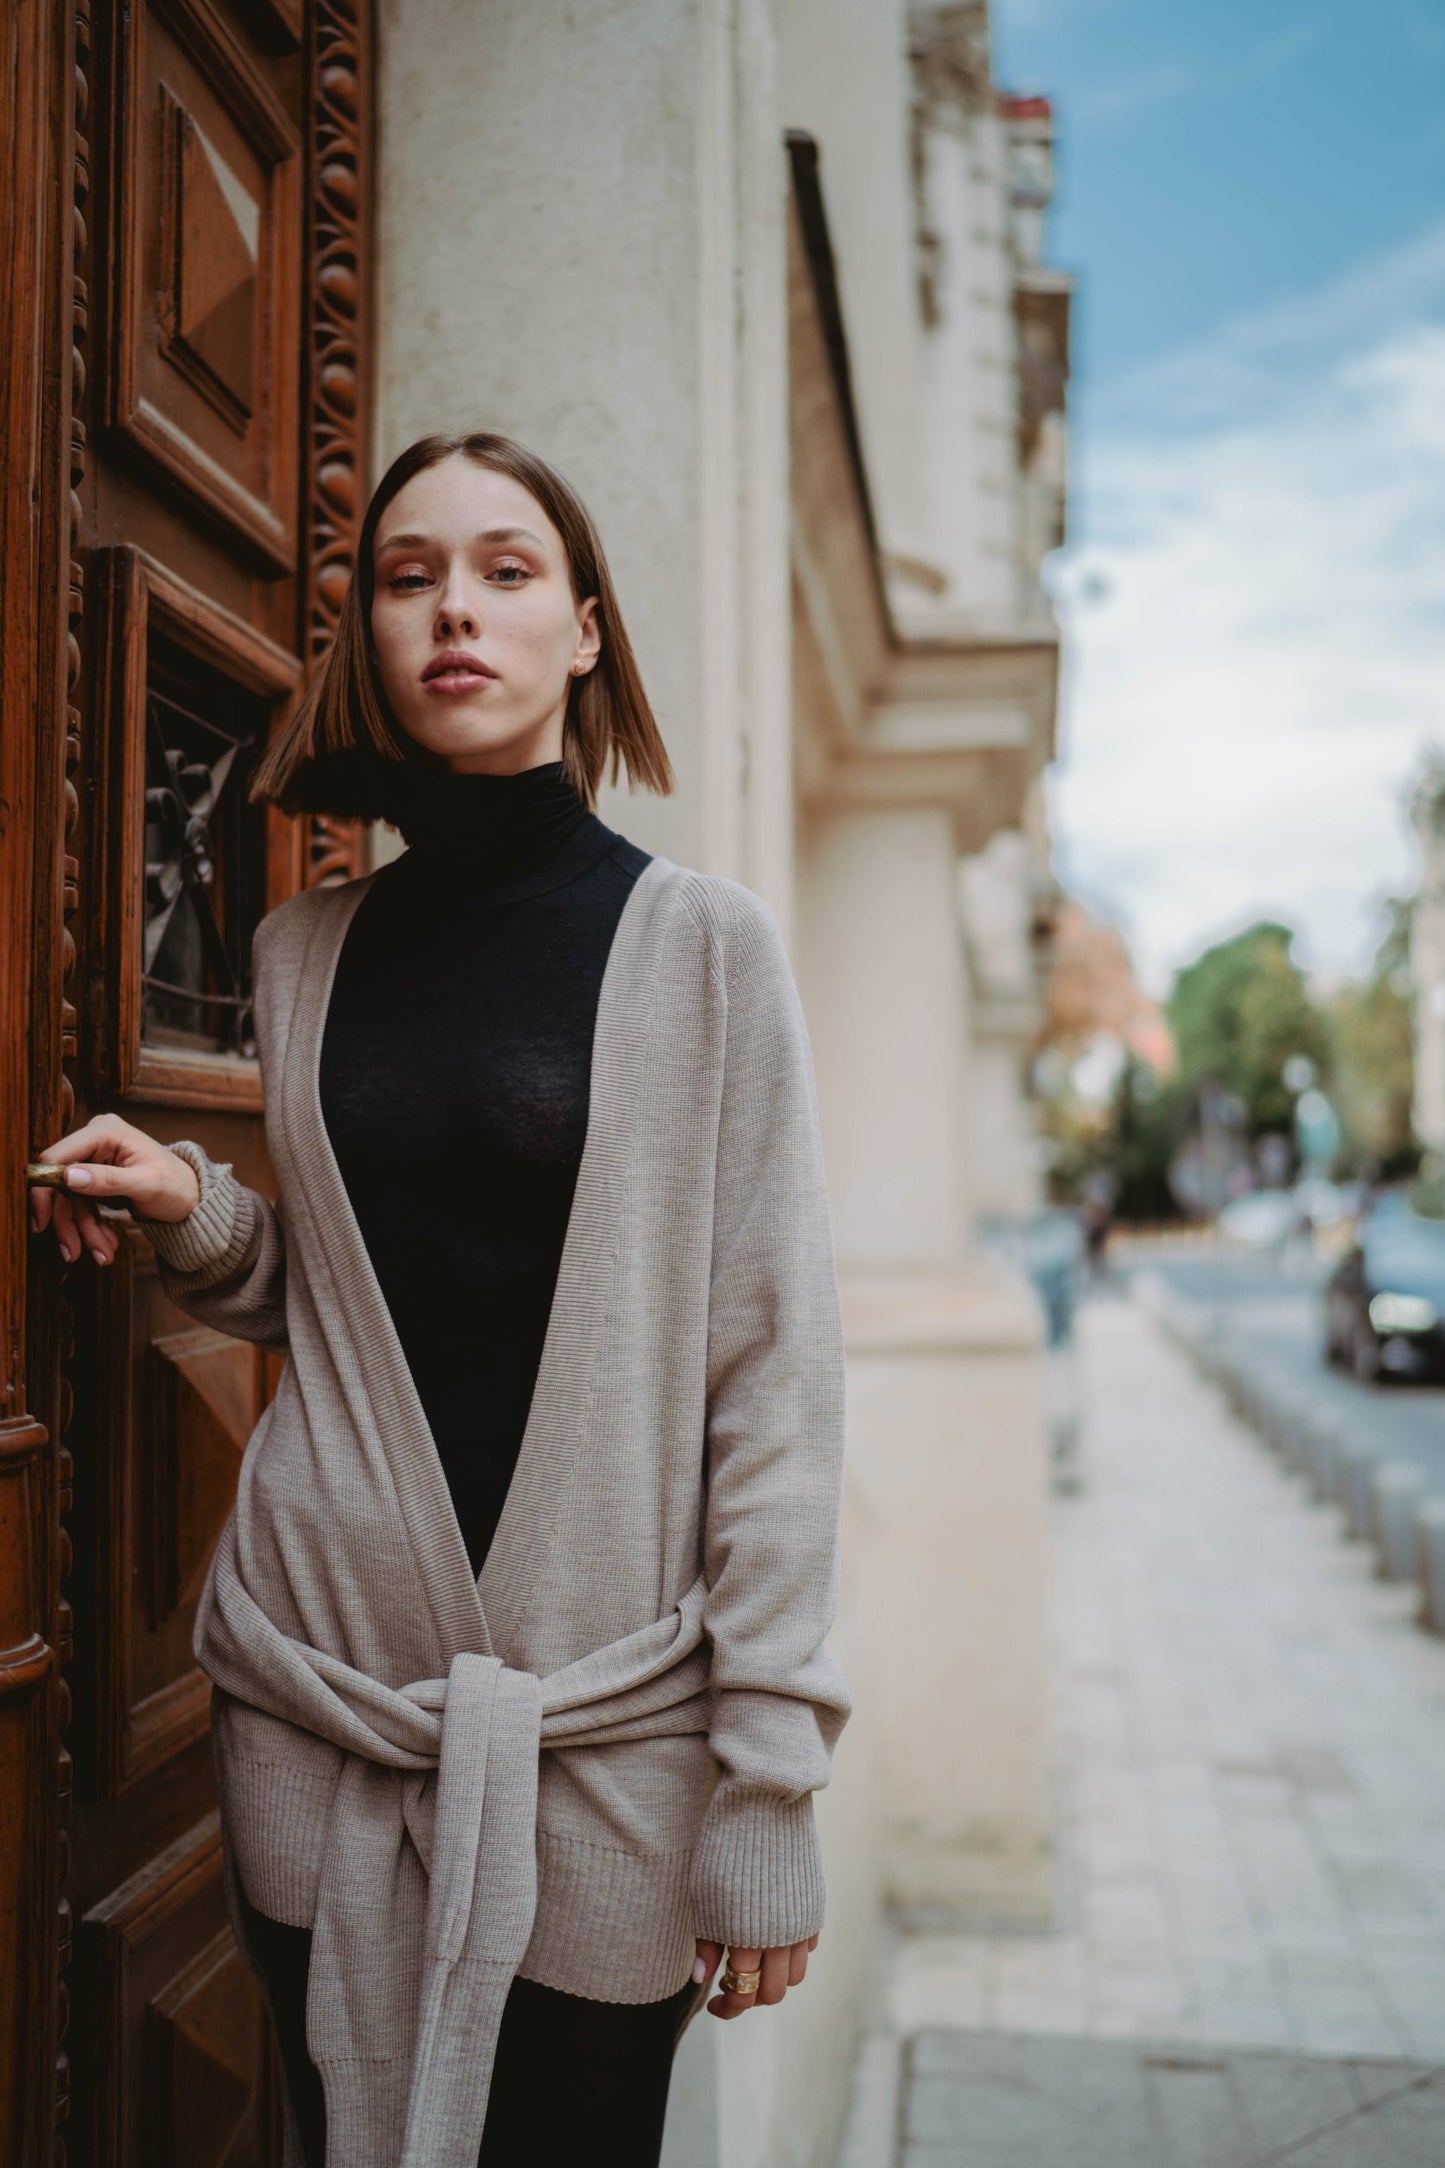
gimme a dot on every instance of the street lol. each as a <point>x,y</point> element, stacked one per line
<point>1273,1318</point>
<point>1248,1956</point>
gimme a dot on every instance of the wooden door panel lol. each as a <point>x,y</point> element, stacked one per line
<point>182,197</point>
<point>203,373</point>
<point>181,2058</point>
<point>182,1401</point>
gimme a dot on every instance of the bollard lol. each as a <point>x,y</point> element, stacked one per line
<point>1299,1440</point>
<point>1285,1417</point>
<point>1264,1412</point>
<point>1323,1441</point>
<point>1354,1468</point>
<point>1430,1533</point>
<point>1397,1488</point>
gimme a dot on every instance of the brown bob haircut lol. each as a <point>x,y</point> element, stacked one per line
<point>342,750</point>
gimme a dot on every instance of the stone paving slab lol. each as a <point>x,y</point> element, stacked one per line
<point>1251,1733</point>
<point>1010,2100</point>
<point>1251,1786</point>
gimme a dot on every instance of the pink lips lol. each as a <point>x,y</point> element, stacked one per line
<point>455,672</point>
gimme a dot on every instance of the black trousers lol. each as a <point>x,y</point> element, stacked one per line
<point>573,2080</point>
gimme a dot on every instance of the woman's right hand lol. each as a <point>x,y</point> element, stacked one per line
<point>109,1158</point>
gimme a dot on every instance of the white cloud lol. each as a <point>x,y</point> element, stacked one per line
<point>1247,695</point>
<point>1255,364</point>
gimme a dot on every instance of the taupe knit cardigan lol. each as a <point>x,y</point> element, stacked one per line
<point>608,1745</point>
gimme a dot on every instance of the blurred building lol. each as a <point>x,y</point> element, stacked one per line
<point>768,283</point>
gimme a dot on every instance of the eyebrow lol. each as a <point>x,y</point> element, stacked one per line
<point>488,534</point>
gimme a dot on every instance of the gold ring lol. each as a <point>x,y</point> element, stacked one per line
<point>740,1983</point>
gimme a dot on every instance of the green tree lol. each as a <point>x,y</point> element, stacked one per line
<point>1238,1013</point>
<point>1148,1122</point>
<point>1372,1058</point>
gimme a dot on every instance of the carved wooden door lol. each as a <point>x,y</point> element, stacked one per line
<point>181,200</point>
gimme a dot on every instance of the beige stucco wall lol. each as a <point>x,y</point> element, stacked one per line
<point>580,239</point>
<point>593,262</point>
<point>844,79</point>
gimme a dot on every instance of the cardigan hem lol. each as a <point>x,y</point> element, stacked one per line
<point>631,1910</point>
<point>610,1926</point>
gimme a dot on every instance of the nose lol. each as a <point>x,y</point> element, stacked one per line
<point>457,614</point>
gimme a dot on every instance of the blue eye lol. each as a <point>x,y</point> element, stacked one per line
<point>408,580</point>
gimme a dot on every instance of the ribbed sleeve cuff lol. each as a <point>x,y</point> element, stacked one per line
<point>215,1234</point>
<point>757,1873</point>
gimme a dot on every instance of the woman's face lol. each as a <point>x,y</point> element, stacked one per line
<point>476,630</point>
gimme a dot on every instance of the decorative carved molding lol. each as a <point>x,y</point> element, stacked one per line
<point>1041,312</point>
<point>948,52</point>
<point>337,346</point>
<point>69,1045</point>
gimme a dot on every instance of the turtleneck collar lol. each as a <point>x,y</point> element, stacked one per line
<point>487,829</point>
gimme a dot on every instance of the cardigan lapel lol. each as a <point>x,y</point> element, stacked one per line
<point>482,1616</point>
<point>566,1381</point>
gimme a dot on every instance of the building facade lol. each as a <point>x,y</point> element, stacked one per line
<point>765,278</point>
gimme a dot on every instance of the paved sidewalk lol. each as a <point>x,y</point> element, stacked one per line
<point>1252,1830</point>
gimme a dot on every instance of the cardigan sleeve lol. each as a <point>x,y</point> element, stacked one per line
<point>774,1463</point>
<point>225,1262</point>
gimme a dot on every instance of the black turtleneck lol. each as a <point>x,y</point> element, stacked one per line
<point>455,1071</point>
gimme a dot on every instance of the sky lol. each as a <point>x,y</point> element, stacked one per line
<point>1253,594</point>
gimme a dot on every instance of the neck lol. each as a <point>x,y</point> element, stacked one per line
<point>488,828</point>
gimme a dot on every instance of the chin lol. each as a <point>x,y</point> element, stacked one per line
<point>450,735</point>
<point>517,748</point>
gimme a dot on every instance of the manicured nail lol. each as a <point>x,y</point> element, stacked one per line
<point>699,1971</point>
<point>100,1257</point>
<point>78,1178</point>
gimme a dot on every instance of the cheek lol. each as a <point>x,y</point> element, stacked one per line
<point>392,640</point>
<point>542,636</point>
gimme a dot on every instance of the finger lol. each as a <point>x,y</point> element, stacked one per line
<point>100,1240</point>
<point>67,1241</point>
<point>101,1138</point>
<point>709,1957</point>
<point>97,1179</point>
<point>797,1963</point>
<point>727,2004</point>
<point>775,1975</point>
<point>812,1942</point>
<point>40,1210</point>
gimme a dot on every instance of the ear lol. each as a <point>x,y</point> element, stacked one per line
<point>589,638</point>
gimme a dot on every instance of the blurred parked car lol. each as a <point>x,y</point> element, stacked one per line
<point>1385,1300</point>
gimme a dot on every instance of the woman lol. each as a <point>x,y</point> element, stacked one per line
<point>516,1627</point>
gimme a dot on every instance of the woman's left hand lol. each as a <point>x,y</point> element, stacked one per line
<point>781,1969</point>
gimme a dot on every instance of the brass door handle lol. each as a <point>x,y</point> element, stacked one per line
<point>45,1174</point>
